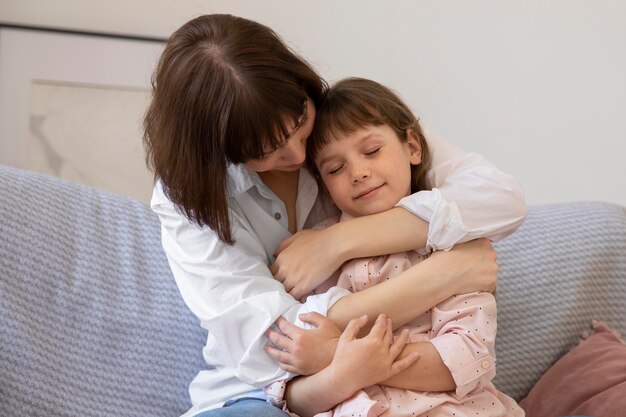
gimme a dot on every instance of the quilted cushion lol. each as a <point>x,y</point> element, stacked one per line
<point>92,324</point>
<point>91,321</point>
<point>563,268</point>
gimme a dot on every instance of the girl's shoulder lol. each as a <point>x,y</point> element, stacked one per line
<point>326,223</point>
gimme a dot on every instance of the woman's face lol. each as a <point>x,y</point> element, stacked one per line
<point>291,155</point>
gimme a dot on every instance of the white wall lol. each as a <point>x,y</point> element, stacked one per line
<point>539,87</point>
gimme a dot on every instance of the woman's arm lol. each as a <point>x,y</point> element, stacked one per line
<point>429,373</point>
<point>406,296</point>
<point>394,230</point>
<point>233,294</point>
<point>231,291</point>
<point>414,291</point>
<point>358,363</point>
<point>470,199</point>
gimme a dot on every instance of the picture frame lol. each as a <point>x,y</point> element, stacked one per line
<point>71,105</point>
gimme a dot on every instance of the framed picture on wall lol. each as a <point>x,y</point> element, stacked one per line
<point>71,105</point>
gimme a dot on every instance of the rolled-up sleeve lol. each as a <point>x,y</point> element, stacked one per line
<point>470,198</point>
<point>463,332</point>
<point>232,292</point>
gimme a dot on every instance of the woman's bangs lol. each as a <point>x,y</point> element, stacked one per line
<point>262,130</point>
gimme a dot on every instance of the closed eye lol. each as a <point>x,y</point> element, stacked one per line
<point>373,151</point>
<point>335,170</point>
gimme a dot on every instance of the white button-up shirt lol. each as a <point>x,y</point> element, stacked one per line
<point>232,292</point>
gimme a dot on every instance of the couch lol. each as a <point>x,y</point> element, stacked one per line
<point>91,322</point>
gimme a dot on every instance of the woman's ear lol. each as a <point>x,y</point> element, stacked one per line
<point>415,148</point>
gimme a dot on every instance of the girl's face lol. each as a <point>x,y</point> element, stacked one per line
<point>291,155</point>
<point>368,171</point>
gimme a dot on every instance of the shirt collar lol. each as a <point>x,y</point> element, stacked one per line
<point>241,179</point>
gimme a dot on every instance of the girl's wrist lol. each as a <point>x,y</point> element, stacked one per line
<point>343,387</point>
<point>446,284</point>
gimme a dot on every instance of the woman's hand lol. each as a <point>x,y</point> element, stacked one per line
<point>469,266</point>
<point>301,351</point>
<point>307,259</point>
<point>359,363</point>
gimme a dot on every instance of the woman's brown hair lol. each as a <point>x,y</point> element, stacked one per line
<point>353,103</point>
<point>222,91</point>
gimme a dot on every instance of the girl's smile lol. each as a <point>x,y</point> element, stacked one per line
<point>368,171</point>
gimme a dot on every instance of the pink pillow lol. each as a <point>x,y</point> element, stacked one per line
<point>590,379</point>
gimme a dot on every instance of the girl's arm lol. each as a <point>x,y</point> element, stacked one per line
<point>464,332</point>
<point>232,292</point>
<point>462,342</point>
<point>459,357</point>
<point>406,296</point>
<point>358,363</point>
<point>429,373</point>
<point>414,291</point>
<point>470,199</point>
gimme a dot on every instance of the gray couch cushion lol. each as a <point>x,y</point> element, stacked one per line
<point>91,321</point>
<point>564,267</point>
<point>92,324</point>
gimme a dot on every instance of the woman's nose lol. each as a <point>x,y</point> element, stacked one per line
<point>296,150</point>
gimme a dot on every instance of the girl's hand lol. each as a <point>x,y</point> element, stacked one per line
<point>301,351</point>
<point>306,259</point>
<point>359,363</point>
<point>469,266</point>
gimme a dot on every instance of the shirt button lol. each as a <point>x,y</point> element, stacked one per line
<point>277,216</point>
<point>485,365</point>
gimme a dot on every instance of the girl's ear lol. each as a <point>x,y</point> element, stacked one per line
<point>415,148</point>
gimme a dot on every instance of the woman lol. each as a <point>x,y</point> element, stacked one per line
<point>226,135</point>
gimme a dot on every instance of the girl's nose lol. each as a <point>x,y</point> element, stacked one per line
<point>359,174</point>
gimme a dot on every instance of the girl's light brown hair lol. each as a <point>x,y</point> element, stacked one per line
<point>222,92</point>
<point>353,103</point>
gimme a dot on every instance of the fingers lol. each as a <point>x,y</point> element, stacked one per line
<point>278,355</point>
<point>397,346</point>
<point>283,359</point>
<point>284,244</point>
<point>289,329</point>
<point>274,269</point>
<point>402,364</point>
<point>295,292</point>
<point>279,340</point>
<point>379,328</point>
<point>353,328</point>
<point>388,336</point>
<point>313,318</point>
<point>281,277</point>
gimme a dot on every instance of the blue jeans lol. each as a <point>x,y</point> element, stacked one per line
<point>245,407</point>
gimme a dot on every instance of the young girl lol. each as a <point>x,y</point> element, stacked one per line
<point>225,134</point>
<point>369,150</point>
